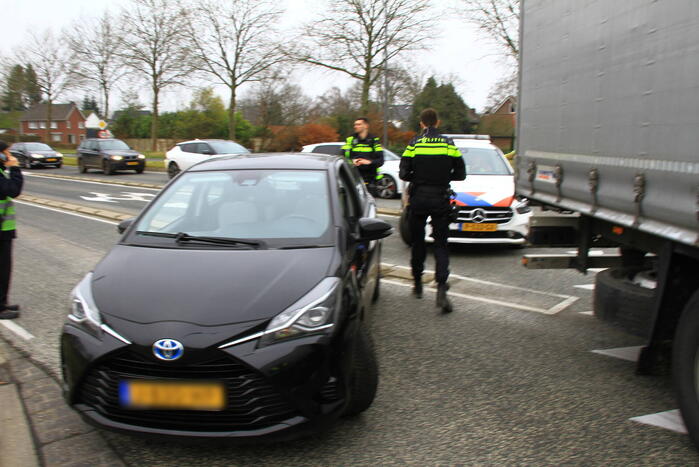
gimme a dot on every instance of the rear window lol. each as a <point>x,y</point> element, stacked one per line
<point>331,149</point>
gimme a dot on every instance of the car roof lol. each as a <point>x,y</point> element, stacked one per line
<point>205,141</point>
<point>274,160</point>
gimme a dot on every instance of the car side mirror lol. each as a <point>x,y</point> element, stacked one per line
<point>371,228</point>
<point>125,224</point>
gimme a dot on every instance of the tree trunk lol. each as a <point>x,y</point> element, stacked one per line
<point>49,115</point>
<point>231,114</point>
<point>365,94</point>
<point>105,92</point>
<point>154,122</point>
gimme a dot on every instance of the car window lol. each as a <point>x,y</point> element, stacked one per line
<point>16,147</point>
<point>188,147</point>
<point>332,149</point>
<point>227,147</point>
<point>348,194</point>
<point>484,161</point>
<point>204,148</point>
<point>37,147</point>
<point>281,207</point>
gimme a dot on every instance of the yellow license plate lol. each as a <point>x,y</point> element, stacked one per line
<point>138,394</point>
<point>50,160</point>
<point>132,163</point>
<point>479,227</point>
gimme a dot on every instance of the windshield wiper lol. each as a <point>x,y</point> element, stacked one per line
<point>302,247</point>
<point>182,237</point>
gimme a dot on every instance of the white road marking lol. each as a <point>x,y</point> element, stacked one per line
<point>590,253</point>
<point>586,286</point>
<point>596,270</point>
<point>94,183</point>
<point>65,212</point>
<point>588,313</point>
<point>492,301</point>
<point>670,420</point>
<point>129,196</point>
<point>17,329</point>
<point>624,353</point>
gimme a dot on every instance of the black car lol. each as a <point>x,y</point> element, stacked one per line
<point>235,305</point>
<point>109,155</point>
<point>32,155</point>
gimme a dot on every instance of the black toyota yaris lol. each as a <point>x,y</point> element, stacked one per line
<point>235,305</point>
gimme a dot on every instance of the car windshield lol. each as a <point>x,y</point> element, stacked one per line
<point>484,161</point>
<point>281,208</point>
<point>227,147</point>
<point>38,147</point>
<point>113,144</point>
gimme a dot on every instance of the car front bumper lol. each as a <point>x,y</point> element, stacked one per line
<point>513,232</point>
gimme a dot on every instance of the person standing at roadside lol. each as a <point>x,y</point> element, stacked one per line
<point>429,163</point>
<point>11,182</point>
<point>365,152</point>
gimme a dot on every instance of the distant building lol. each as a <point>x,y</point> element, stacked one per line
<point>67,123</point>
<point>500,122</point>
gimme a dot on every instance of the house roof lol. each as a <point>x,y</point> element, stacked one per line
<point>496,108</point>
<point>59,112</point>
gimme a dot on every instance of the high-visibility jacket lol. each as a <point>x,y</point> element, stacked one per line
<point>367,148</point>
<point>432,159</point>
<point>11,185</point>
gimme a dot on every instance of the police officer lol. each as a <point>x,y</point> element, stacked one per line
<point>429,163</point>
<point>365,152</point>
<point>10,187</point>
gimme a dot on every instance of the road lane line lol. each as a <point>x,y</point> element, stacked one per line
<point>585,286</point>
<point>562,306</point>
<point>624,353</point>
<point>65,212</point>
<point>94,183</point>
<point>17,329</point>
<point>669,420</point>
<point>587,313</point>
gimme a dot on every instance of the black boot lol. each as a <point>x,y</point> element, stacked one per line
<point>417,287</point>
<point>443,302</point>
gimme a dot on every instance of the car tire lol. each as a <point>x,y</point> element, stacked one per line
<point>107,168</point>
<point>173,169</point>
<point>364,375</point>
<point>622,303</point>
<point>140,170</point>
<point>58,166</point>
<point>386,187</point>
<point>81,165</point>
<point>404,228</point>
<point>25,163</point>
<point>685,366</point>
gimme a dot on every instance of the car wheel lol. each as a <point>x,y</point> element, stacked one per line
<point>404,228</point>
<point>139,170</point>
<point>81,165</point>
<point>386,187</point>
<point>364,375</point>
<point>685,366</point>
<point>107,168</point>
<point>623,303</point>
<point>58,166</point>
<point>25,163</point>
<point>172,170</point>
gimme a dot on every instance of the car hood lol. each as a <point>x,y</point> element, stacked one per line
<point>204,287</point>
<point>120,152</point>
<point>485,190</point>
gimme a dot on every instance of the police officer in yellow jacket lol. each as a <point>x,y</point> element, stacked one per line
<point>365,152</point>
<point>10,187</point>
<point>429,163</point>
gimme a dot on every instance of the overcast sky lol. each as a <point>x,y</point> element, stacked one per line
<point>460,52</point>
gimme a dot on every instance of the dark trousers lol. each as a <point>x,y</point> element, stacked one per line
<point>436,207</point>
<point>5,269</point>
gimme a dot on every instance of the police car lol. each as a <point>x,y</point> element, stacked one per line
<point>488,210</point>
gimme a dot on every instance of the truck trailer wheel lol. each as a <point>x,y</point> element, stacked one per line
<point>623,303</point>
<point>685,366</point>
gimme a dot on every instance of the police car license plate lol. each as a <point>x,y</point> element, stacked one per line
<point>138,394</point>
<point>132,163</point>
<point>479,227</point>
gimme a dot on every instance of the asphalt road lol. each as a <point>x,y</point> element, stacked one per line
<point>499,381</point>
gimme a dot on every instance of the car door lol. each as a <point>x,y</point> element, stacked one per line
<point>189,155</point>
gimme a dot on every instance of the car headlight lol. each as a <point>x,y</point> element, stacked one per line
<point>314,313</point>
<point>141,156</point>
<point>116,158</point>
<point>58,154</point>
<point>37,156</point>
<point>83,309</point>
<point>522,206</point>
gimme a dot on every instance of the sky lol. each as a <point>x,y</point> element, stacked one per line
<point>459,54</point>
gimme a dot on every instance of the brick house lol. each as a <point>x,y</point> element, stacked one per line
<point>499,122</point>
<point>67,125</point>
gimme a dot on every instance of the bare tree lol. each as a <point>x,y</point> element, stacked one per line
<point>358,37</point>
<point>499,20</point>
<point>52,63</point>
<point>235,42</point>
<point>153,45</point>
<point>96,45</point>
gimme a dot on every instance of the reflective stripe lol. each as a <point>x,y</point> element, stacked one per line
<point>7,210</point>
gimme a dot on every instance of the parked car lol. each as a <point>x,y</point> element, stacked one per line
<point>234,306</point>
<point>109,155</point>
<point>390,186</point>
<point>32,155</point>
<point>184,155</point>
<point>489,211</point>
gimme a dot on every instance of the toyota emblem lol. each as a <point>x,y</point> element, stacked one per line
<point>168,349</point>
<point>478,216</point>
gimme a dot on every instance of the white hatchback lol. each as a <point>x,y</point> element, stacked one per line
<point>489,211</point>
<point>186,154</point>
<point>389,186</point>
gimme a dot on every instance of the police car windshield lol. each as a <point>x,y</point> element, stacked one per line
<point>484,161</point>
<point>280,207</point>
